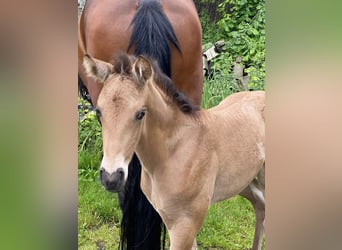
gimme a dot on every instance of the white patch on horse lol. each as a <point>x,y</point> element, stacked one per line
<point>257,193</point>
<point>112,165</point>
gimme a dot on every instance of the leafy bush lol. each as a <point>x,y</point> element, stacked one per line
<point>89,143</point>
<point>242,26</point>
<point>209,30</point>
<point>89,133</point>
<point>216,89</point>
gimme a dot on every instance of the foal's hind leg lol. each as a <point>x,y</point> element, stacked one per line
<point>255,194</point>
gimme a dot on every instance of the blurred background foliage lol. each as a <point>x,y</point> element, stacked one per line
<point>241,24</point>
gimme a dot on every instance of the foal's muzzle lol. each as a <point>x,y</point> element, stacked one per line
<point>112,182</point>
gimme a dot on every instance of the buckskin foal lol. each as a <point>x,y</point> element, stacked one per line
<point>191,158</point>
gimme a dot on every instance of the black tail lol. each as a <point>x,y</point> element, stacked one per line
<point>141,225</point>
<point>152,35</point>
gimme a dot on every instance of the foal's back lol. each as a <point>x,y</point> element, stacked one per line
<point>242,99</point>
<point>238,127</point>
<point>245,110</point>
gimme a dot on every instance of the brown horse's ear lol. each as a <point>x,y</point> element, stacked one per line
<point>142,68</point>
<point>97,69</point>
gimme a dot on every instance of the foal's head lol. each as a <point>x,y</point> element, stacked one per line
<point>121,110</point>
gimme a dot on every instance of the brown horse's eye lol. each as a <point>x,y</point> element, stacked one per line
<point>140,114</point>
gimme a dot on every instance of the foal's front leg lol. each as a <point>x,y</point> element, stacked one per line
<point>184,224</point>
<point>182,234</point>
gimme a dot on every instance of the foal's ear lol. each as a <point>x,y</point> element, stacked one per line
<point>97,69</point>
<point>142,68</point>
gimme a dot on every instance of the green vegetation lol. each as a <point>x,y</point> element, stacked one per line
<point>242,27</point>
<point>244,31</point>
<point>229,224</point>
<point>98,216</point>
<point>89,145</point>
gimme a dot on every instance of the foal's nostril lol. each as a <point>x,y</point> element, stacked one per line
<point>112,182</point>
<point>120,171</point>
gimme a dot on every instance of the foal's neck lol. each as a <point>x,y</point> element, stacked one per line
<point>162,112</point>
<point>164,126</point>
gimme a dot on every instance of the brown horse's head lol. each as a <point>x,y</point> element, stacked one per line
<point>121,109</point>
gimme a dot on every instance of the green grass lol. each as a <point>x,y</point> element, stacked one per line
<point>98,216</point>
<point>215,90</point>
<point>228,224</point>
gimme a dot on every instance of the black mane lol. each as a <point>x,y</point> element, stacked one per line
<point>170,89</point>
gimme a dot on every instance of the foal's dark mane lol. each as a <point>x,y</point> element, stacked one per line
<point>170,89</point>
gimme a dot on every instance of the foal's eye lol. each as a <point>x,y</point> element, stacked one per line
<point>140,114</point>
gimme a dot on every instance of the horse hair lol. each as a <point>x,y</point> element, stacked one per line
<point>141,225</point>
<point>151,34</point>
<point>122,64</point>
<point>170,89</point>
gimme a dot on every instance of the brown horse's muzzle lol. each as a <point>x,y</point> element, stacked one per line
<point>112,182</point>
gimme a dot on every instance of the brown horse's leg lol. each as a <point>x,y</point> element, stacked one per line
<point>255,195</point>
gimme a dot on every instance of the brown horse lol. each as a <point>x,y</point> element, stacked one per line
<point>191,158</point>
<point>169,31</point>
